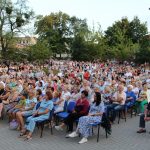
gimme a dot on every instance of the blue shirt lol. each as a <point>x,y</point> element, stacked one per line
<point>131,94</point>
<point>46,105</point>
<point>30,101</point>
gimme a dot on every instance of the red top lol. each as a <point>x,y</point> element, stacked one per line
<point>86,75</point>
<point>85,105</point>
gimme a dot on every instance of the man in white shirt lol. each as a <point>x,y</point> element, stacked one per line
<point>118,99</point>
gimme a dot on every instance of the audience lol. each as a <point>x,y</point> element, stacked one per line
<point>28,94</point>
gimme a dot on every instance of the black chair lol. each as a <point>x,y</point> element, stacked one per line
<point>41,124</point>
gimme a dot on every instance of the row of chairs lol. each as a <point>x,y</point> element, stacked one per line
<point>69,107</point>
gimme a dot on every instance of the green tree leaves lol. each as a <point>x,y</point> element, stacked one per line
<point>39,52</point>
<point>13,17</point>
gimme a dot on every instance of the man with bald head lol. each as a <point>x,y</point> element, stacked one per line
<point>118,100</point>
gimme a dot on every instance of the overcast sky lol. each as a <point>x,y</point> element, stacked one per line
<point>104,12</point>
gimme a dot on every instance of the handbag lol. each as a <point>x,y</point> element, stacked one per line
<point>13,125</point>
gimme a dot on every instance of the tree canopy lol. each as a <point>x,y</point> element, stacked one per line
<point>13,17</point>
<point>60,33</point>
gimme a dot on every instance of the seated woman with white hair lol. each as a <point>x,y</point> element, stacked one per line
<point>130,96</point>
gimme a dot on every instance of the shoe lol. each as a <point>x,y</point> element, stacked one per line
<point>58,128</point>
<point>141,131</point>
<point>139,114</point>
<point>133,113</point>
<point>73,134</point>
<point>83,140</point>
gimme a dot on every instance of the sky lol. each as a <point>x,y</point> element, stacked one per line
<point>104,12</point>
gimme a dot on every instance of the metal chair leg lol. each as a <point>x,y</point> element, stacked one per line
<point>42,127</point>
<point>125,115</point>
<point>51,128</point>
<point>98,133</point>
<point>92,131</point>
<point>106,133</point>
<point>119,113</point>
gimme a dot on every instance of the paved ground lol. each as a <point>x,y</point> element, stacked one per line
<point>124,137</point>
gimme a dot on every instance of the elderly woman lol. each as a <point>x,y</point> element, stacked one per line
<point>95,115</point>
<point>107,95</point>
<point>27,111</point>
<point>65,95</point>
<point>130,96</point>
<point>42,113</point>
<point>11,100</point>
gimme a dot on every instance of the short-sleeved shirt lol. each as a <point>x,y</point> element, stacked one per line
<point>22,102</point>
<point>29,102</point>
<point>97,109</point>
<point>46,105</point>
<point>122,95</point>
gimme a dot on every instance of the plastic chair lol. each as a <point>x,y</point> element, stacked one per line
<point>69,109</point>
<point>47,121</point>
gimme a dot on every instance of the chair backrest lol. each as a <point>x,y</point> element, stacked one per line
<point>71,106</point>
<point>38,105</point>
<point>65,106</point>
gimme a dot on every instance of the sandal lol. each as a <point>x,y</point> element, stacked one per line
<point>28,138</point>
<point>23,132</point>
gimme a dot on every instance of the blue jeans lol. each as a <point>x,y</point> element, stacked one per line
<point>113,108</point>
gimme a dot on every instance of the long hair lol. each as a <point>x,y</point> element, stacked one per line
<point>98,98</point>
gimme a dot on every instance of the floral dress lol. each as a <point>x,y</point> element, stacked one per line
<point>84,126</point>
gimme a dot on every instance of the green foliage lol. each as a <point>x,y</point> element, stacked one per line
<point>13,18</point>
<point>137,30</point>
<point>55,29</point>
<point>124,37</point>
<point>143,55</point>
<point>39,52</point>
<point>60,33</point>
<point>15,55</point>
<point>59,29</point>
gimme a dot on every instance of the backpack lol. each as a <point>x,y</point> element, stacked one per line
<point>106,124</point>
<point>13,125</point>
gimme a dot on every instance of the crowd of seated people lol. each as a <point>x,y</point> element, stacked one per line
<point>28,94</point>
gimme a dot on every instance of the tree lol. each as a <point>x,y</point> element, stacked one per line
<point>143,55</point>
<point>13,17</point>
<point>55,29</point>
<point>137,30</point>
<point>117,33</point>
<point>79,49</point>
<point>39,52</point>
<point>123,37</point>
